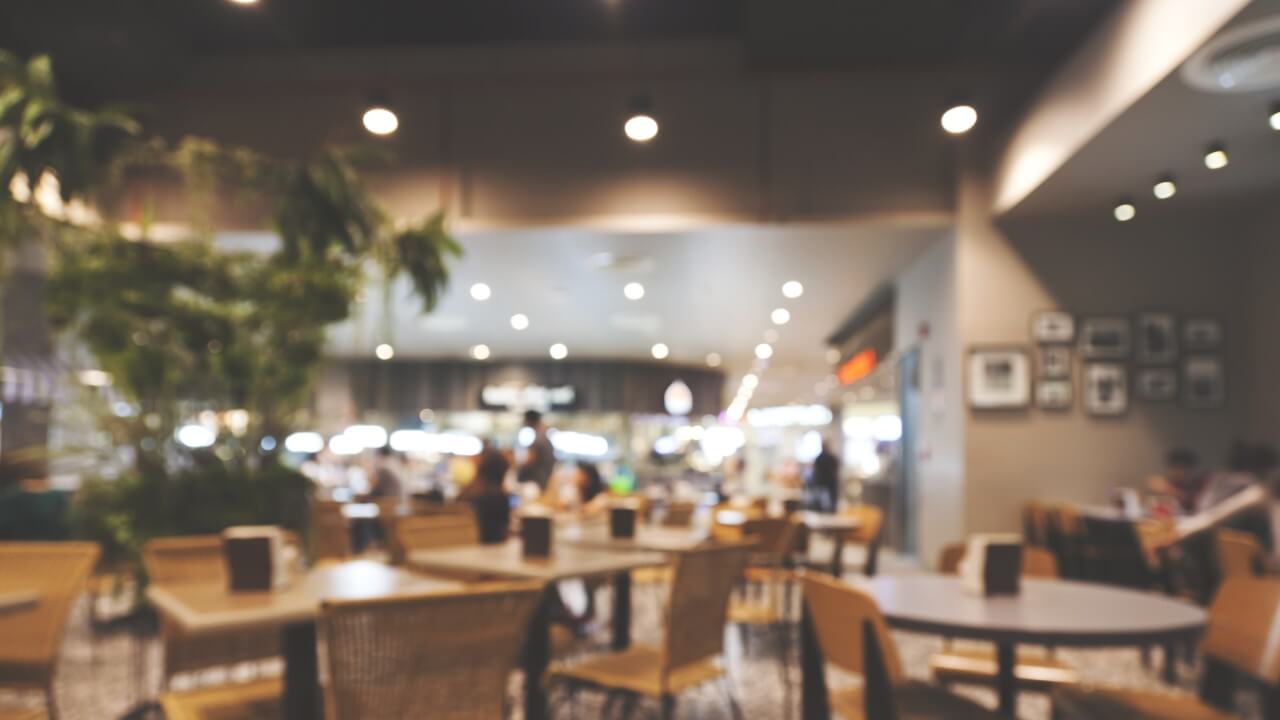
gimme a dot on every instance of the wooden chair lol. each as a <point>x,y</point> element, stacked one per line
<point>258,700</point>
<point>425,532</point>
<point>868,534</point>
<point>1036,669</point>
<point>696,612</point>
<point>199,559</point>
<point>1035,524</point>
<point>1244,620</point>
<point>853,636</point>
<point>1065,534</point>
<point>30,639</point>
<point>330,533</point>
<point>1238,554</point>
<point>443,655</point>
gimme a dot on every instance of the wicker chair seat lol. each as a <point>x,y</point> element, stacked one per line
<point>915,701</point>
<point>1036,669</point>
<point>249,701</point>
<point>1125,704</point>
<point>638,670</point>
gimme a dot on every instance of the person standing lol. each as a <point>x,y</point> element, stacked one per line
<point>540,462</point>
<point>824,479</point>
<point>488,497</point>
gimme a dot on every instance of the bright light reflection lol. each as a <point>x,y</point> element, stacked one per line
<point>304,443</point>
<point>195,436</point>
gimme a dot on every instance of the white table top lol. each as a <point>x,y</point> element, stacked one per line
<point>211,607</point>
<point>814,521</point>
<point>507,561</point>
<point>648,537</point>
<point>1045,612</point>
<point>14,600</point>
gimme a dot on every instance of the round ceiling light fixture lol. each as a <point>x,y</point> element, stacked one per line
<point>384,352</point>
<point>1165,188</point>
<point>379,119</point>
<point>792,289</point>
<point>781,316</point>
<point>641,126</point>
<point>1274,120</point>
<point>633,290</point>
<point>959,119</point>
<point>519,321</point>
<point>559,351</point>
<point>1125,211</point>
<point>480,352</point>
<point>660,351</point>
<point>1243,59</point>
<point>714,360</point>
<point>481,292</point>
<point>764,351</point>
<point>1216,158</point>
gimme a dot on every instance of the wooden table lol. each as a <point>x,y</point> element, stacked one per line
<point>199,608</point>
<point>654,538</point>
<point>15,600</point>
<point>834,525</point>
<point>566,562</point>
<point>1046,612</point>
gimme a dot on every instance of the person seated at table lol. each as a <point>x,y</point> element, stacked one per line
<point>583,490</point>
<point>488,496</point>
<point>1182,481</point>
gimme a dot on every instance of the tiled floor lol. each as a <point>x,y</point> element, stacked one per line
<point>98,676</point>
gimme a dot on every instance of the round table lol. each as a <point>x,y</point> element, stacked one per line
<point>1045,612</point>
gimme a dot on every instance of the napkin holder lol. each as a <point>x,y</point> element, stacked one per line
<point>255,558</point>
<point>535,534</point>
<point>992,565</point>
<point>623,516</point>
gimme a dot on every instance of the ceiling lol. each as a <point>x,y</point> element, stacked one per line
<point>706,290</point>
<point>1168,131</point>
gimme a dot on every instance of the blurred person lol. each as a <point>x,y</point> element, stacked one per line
<point>386,478</point>
<point>540,462</point>
<point>824,479</point>
<point>1243,471</point>
<point>1183,480</point>
<point>488,496</point>
<point>583,489</point>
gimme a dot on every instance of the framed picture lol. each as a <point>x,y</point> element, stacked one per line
<point>1201,334</point>
<point>1204,383</point>
<point>1054,395</point>
<point>1157,341</point>
<point>1157,384</point>
<point>1053,327</point>
<point>999,378</point>
<point>1106,389</point>
<point>1055,362</point>
<point>1105,338</point>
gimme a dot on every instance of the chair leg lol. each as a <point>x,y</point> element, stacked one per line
<point>51,701</point>
<point>668,707</point>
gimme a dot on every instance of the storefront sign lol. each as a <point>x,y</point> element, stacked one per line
<point>528,397</point>
<point>789,416</point>
<point>858,367</point>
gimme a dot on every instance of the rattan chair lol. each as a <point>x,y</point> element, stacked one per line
<point>696,612</point>
<point>1244,621</point>
<point>1036,669</point>
<point>853,636</point>
<point>446,655</point>
<point>199,559</point>
<point>30,639</point>
<point>1238,554</point>
<point>258,700</point>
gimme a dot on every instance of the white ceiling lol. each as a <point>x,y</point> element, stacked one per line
<point>707,290</point>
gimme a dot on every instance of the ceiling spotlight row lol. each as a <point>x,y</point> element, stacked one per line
<point>1165,187</point>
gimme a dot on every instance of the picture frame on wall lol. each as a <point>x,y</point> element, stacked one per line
<point>999,378</point>
<point>1053,327</point>
<point>1157,384</point>
<point>1054,395</point>
<point>1202,334</point>
<point>1055,362</point>
<point>1106,338</point>
<point>1204,382</point>
<point>1157,338</point>
<point>1106,389</point>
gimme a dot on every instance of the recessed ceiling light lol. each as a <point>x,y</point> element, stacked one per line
<point>1125,211</point>
<point>633,290</point>
<point>1275,117</point>
<point>660,351</point>
<point>714,360</point>
<point>750,380</point>
<point>384,352</point>
<point>380,120</point>
<point>792,289</point>
<point>764,351</point>
<point>1216,158</point>
<point>519,321</point>
<point>480,352</point>
<point>1165,188</point>
<point>771,335</point>
<point>481,292</point>
<point>559,351</point>
<point>244,2</point>
<point>781,316</point>
<point>641,128</point>
<point>959,119</point>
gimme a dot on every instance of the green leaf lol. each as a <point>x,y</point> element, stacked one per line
<point>40,76</point>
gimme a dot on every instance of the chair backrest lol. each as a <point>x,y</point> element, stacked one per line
<point>1038,562</point>
<point>773,536</point>
<point>440,655</point>
<point>330,534</point>
<point>950,557</point>
<point>678,514</point>
<point>699,603</point>
<point>870,527</point>
<point>433,531</point>
<point>841,614</point>
<point>1244,622</point>
<point>1035,524</point>
<point>174,560</point>
<point>56,572</point>
<point>1238,554</point>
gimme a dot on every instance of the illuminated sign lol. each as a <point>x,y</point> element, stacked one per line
<point>528,397</point>
<point>858,367</point>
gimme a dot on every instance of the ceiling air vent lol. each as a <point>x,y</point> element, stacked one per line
<point>1242,59</point>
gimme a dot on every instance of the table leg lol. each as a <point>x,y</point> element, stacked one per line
<point>1169,672</point>
<point>813,671</point>
<point>537,655</point>
<point>302,699</point>
<point>837,556</point>
<point>622,611</point>
<point>1006,683</point>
